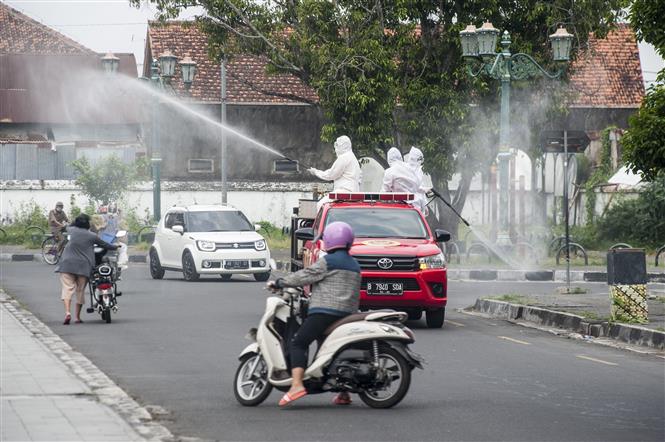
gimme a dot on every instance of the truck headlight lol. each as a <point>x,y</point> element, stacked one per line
<point>206,246</point>
<point>260,245</point>
<point>437,261</point>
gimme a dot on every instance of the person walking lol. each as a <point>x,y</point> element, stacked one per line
<point>57,221</point>
<point>77,262</point>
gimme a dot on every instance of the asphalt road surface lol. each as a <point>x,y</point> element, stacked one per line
<point>175,344</point>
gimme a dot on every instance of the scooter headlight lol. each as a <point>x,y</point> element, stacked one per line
<point>437,261</point>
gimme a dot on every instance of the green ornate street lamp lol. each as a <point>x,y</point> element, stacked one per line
<point>162,70</point>
<point>478,48</point>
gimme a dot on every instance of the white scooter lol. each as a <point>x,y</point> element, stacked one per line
<point>365,353</point>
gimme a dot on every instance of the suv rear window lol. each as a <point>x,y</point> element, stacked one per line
<point>218,221</point>
<point>380,223</point>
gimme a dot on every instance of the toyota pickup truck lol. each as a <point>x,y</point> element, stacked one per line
<point>402,265</point>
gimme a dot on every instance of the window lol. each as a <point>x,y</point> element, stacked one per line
<point>174,219</point>
<point>201,166</point>
<point>285,166</point>
<point>380,223</point>
<point>168,221</point>
<point>218,221</point>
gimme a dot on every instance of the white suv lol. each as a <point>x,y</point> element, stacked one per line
<point>208,240</point>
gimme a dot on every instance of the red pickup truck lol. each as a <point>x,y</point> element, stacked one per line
<point>403,267</point>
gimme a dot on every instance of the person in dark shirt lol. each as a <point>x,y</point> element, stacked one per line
<point>57,221</point>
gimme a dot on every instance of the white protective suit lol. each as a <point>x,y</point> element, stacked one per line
<point>416,159</point>
<point>398,177</point>
<point>345,171</point>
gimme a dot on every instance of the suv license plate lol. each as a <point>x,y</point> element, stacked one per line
<point>385,288</point>
<point>235,264</point>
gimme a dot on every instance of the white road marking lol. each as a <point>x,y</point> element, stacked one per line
<point>595,360</point>
<point>514,340</point>
<point>455,323</point>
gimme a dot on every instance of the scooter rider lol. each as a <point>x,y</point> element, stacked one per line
<point>335,280</point>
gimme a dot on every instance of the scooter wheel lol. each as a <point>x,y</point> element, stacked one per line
<point>400,373</point>
<point>250,383</point>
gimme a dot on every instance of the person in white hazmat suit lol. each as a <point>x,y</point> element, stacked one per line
<point>345,171</point>
<point>415,163</point>
<point>398,177</point>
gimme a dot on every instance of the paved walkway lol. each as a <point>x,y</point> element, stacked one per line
<point>41,398</point>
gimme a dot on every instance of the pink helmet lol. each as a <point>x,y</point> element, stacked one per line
<point>337,235</point>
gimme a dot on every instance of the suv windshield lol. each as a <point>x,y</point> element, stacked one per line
<point>218,221</point>
<point>380,223</point>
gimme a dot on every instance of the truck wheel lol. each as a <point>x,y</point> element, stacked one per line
<point>435,317</point>
<point>415,315</point>
<point>262,277</point>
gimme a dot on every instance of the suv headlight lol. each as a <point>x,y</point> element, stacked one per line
<point>260,245</point>
<point>437,261</point>
<point>206,246</point>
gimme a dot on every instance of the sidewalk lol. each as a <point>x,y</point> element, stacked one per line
<point>48,391</point>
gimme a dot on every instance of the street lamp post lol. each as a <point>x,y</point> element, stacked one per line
<point>478,46</point>
<point>223,153</point>
<point>162,70</point>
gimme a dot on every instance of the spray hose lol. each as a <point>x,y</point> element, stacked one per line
<point>438,195</point>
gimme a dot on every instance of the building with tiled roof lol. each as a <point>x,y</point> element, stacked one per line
<point>247,79</point>
<point>52,96</point>
<point>609,74</point>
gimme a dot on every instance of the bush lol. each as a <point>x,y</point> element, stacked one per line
<point>27,215</point>
<point>639,222</point>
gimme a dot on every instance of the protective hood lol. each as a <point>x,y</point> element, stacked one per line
<point>393,156</point>
<point>342,145</point>
<point>415,158</point>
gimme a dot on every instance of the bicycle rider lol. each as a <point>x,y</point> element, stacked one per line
<point>57,222</point>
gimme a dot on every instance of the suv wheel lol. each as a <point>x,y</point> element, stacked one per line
<point>156,269</point>
<point>435,317</point>
<point>262,277</point>
<point>189,268</point>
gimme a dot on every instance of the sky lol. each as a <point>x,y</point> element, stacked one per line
<point>114,25</point>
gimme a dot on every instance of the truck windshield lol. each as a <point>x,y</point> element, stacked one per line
<point>380,223</point>
<point>218,221</point>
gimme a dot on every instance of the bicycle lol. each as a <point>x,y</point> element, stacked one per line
<point>50,251</point>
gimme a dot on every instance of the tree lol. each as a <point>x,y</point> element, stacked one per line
<point>391,72</point>
<point>107,181</point>
<point>644,149</point>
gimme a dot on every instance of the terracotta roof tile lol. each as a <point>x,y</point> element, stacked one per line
<point>247,79</point>
<point>609,74</point>
<point>19,34</point>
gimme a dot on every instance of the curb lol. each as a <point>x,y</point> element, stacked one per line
<point>630,334</point>
<point>107,391</point>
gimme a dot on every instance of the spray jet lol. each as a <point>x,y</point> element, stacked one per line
<point>438,195</point>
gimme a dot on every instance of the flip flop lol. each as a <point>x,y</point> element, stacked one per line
<point>67,319</point>
<point>288,398</point>
<point>340,400</point>
<point>78,321</point>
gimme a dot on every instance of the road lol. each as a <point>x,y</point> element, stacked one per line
<point>175,344</point>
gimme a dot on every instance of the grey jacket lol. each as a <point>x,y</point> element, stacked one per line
<point>335,281</point>
<point>78,258</point>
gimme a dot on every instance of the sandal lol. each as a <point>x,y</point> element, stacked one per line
<point>289,398</point>
<point>342,399</point>
<point>68,318</point>
<point>78,321</point>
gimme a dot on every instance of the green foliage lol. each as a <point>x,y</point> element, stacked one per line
<point>640,221</point>
<point>646,17</point>
<point>28,214</point>
<point>599,176</point>
<point>108,180</point>
<point>275,236</point>
<point>644,148</point>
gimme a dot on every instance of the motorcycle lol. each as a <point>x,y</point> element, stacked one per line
<point>364,353</point>
<point>102,284</point>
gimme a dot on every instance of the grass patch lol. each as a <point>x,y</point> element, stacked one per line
<point>593,316</point>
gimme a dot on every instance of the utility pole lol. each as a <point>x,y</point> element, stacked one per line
<point>223,155</point>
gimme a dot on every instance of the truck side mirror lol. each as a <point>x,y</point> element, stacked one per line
<point>442,235</point>
<point>305,234</point>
